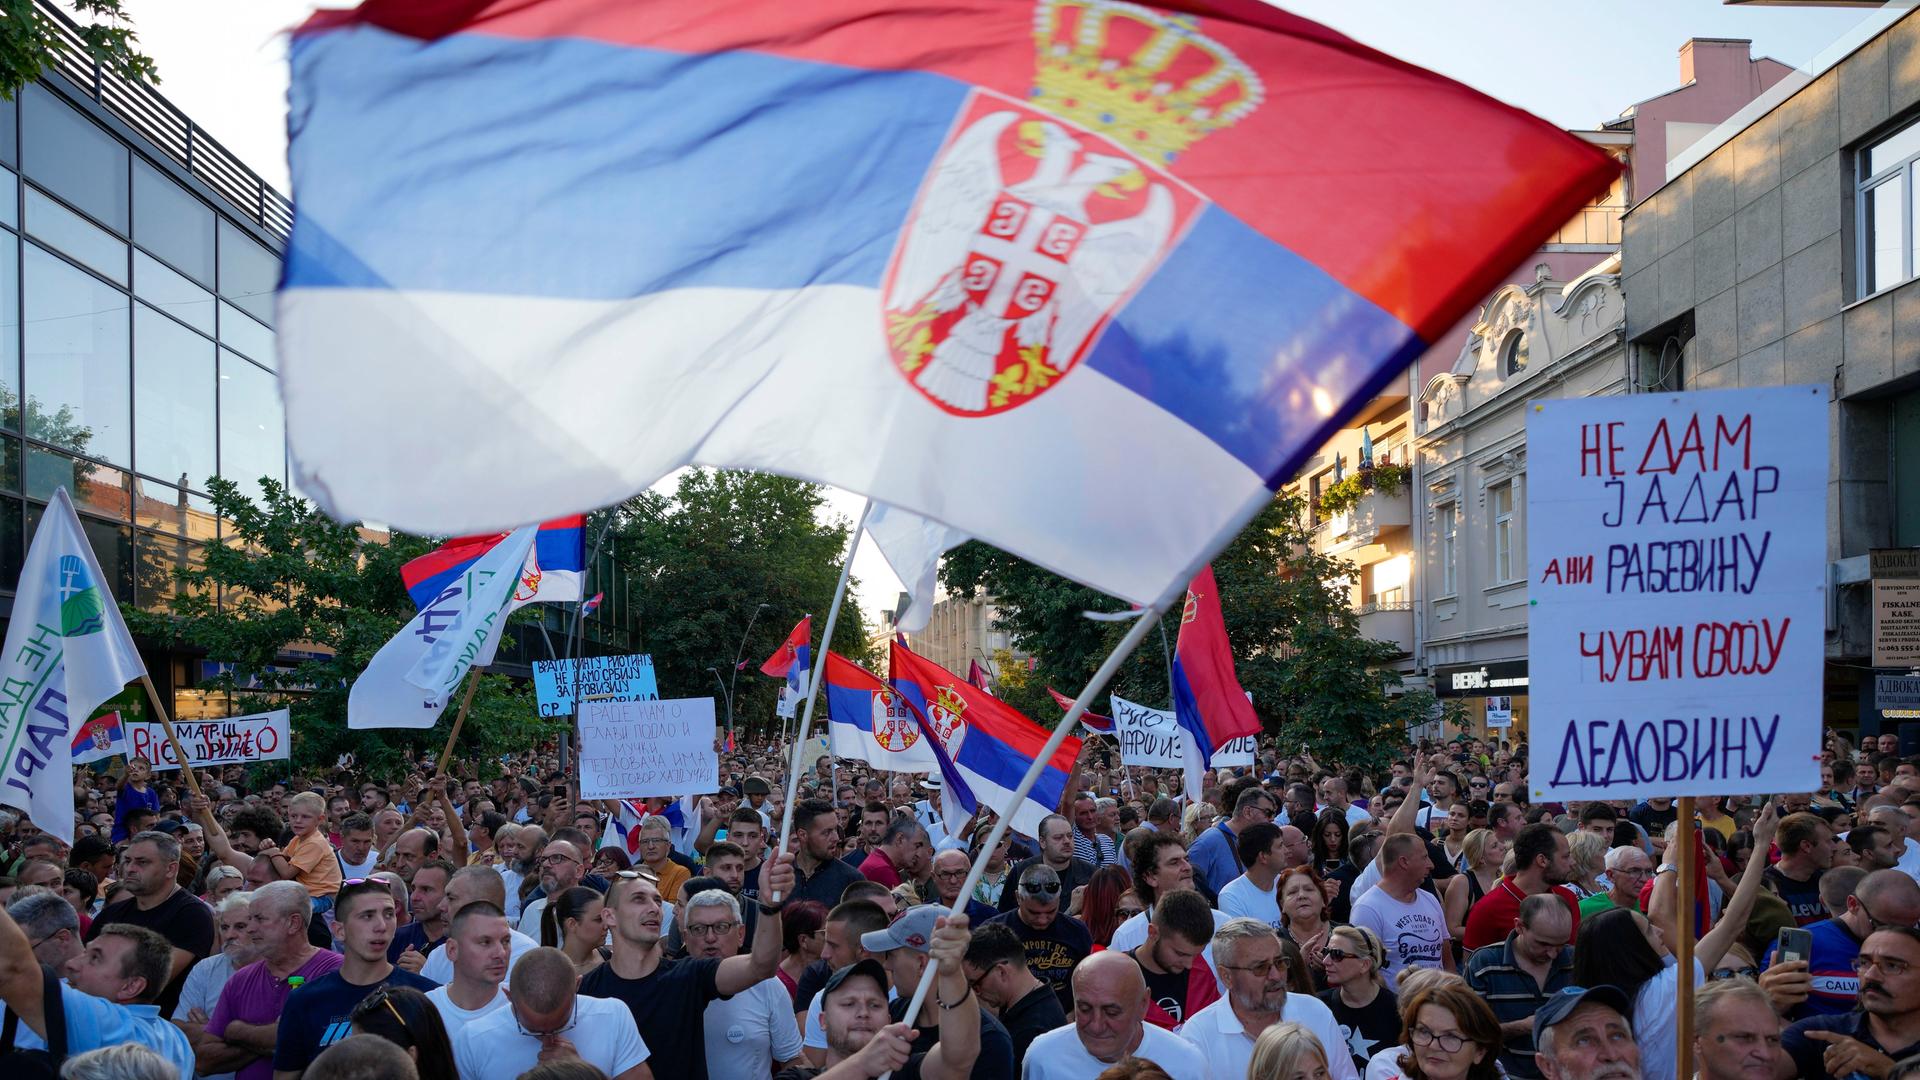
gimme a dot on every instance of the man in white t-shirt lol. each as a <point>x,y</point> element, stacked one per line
<point>356,852</point>
<point>1335,796</point>
<point>1252,895</point>
<point>469,885</point>
<point>1255,968</point>
<point>548,1014</point>
<point>1410,921</point>
<point>750,1034</point>
<point>1109,1025</point>
<point>478,948</point>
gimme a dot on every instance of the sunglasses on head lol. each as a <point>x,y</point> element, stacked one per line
<point>1039,889</point>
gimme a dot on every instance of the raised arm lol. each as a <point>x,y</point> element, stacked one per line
<point>217,836</point>
<point>21,986</point>
<point>737,974</point>
<point>952,1058</point>
<point>1733,919</point>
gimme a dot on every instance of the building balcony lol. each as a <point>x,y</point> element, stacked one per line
<point>1363,532</point>
<point>1388,622</point>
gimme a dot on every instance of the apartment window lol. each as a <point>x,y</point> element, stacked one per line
<point>1886,201</point>
<point>1500,503</point>
<point>1513,354</point>
<point>1449,547</point>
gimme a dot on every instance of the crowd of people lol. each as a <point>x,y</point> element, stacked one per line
<point>1297,921</point>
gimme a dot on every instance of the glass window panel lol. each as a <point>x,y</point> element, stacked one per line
<point>1886,235</point>
<point>13,542</point>
<point>10,333</point>
<point>1892,150</point>
<point>156,559</point>
<point>158,284</point>
<point>9,132</point>
<point>77,382</point>
<point>76,236</point>
<point>73,157</point>
<point>173,394</point>
<point>248,272</point>
<point>9,199</point>
<point>10,463</point>
<point>171,223</point>
<point>253,429</point>
<point>95,488</point>
<point>167,509</point>
<point>113,547</point>
<point>240,332</point>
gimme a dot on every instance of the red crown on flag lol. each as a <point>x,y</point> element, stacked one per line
<point>1191,608</point>
<point>1146,79</point>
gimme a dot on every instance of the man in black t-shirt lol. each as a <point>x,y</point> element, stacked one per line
<point>669,998</point>
<point>1054,942</point>
<point>1806,850</point>
<point>996,966</point>
<point>150,869</point>
<point>946,1016</point>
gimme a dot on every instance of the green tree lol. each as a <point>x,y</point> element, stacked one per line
<point>285,574</point>
<point>1296,641</point>
<point>706,555</point>
<point>28,33</point>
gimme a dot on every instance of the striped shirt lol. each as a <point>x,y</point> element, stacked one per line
<point>1514,995</point>
<point>1097,849</point>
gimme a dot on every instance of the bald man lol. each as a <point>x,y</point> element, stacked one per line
<point>469,884</point>
<point>949,873</point>
<point>548,1020</point>
<point>1109,1025</point>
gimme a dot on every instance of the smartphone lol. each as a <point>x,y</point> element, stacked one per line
<point>1795,944</point>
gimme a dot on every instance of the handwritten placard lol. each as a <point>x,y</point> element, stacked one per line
<point>1676,549</point>
<point>1149,738</point>
<point>620,678</point>
<point>235,740</point>
<point>1237,754</point>
<point>638,749</point>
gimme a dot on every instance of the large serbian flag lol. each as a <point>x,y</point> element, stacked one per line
<point>1016,266</point>
<point>982,744</point>
<point>869,721</point>
<point>554,572</point>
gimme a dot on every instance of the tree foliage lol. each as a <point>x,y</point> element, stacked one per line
<point>1296,641</point>
<point>286,574</point>
<point>706,555</point>
<point>27,36</point>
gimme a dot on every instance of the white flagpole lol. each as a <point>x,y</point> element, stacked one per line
<point>1149,618</point>
<point>813,682</point>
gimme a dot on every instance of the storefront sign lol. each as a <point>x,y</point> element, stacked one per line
<point>1677,560</point>
<point>1502,678</point>
<point>1896,607</point>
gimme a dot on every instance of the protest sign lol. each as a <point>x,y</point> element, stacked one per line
<point>1237,754</point>
<point>611,678</point>
<point>1499,711</point>
<point>638,749</point>
<point>1677,558</point>
<point>1149,738</point>
<point>236,740</point>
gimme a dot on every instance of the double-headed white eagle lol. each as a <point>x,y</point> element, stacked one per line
<point>1109,261</point>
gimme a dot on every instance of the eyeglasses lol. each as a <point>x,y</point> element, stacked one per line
<point>50,937</point>
<point>573,1017</point>
<point>556,857</point>
<point>1887,964</point>
<point>715,930</point>
<point>1277,964</point>
<point>974,983</point>
<point>1337,955</point>
<point>1448,1043</point>
<point>1877,924</point>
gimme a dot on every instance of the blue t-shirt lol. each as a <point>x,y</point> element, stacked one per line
<point>319,1014</point>
<point>94,1022</point>
<point>412,934</point>
<point>129,799</point>
<point>1213,854</point>
<point>1836,986</point>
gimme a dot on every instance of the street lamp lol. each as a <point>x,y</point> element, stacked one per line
<point>733,679</point>
<point>726,695</point>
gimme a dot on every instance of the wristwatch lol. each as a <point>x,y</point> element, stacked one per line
<point>769,909</point>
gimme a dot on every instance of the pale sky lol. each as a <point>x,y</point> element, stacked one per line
<point>1574,64</point>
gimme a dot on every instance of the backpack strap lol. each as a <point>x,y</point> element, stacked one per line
<point>54,1007</point>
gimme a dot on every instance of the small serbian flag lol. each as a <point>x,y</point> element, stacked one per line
<point>794,658</point>
<point>1090,720</point>
<point>592,604</point>
<point>983,745</point>
<point>978,675</point>
<point>554,572</point>
<point>1207,699</point>
<point>101,737</point>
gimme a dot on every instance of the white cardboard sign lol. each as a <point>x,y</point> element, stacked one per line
<point>639,749</point>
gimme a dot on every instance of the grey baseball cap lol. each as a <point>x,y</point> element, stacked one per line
<point>912,930</point>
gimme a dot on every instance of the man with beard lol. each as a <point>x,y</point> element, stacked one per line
<point>1585,1035</point>
<point>1542,862</point>
<point>561,865</point>
<point>668,998</point>
<point>1055,943</point>
<point>150,869</point>
<point>318,1012</point>
<point>1737,1032</point>
<point>1056,853</point>
<point>1256,975</point>
<point>1883,1030</point>
<point>871,821</point>
<point>201,989</point>
<point>245,1021</point>
<point>1179,982</point>
<point>749,1034</point>
<point>860,1041</point>
<point>818,874</point>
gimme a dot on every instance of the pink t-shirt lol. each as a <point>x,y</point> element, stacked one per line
<point>255,996</point>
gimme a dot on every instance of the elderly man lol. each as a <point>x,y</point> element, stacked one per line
<point>1858,902</point>
<point>1628,868</point>
<point>561,864</point>
<point>245,1022</point>
<point>1055,943</point>
<point>1255,968</point>
<point>1736,1032</point>
<point>1884,1029</point>
<point>1089,843</point>
<point>656,855</point>
<point>200,992</point>
<point>107,998</point>
<point>1586,1035</point>
<point>150,869</point>
<point>549,1020</point>
<point>1056,853</point>
<point>961,1029</point>
<point>1109,1026</point>
<point>1518,975</point>
<point>50,923</point>
<point>752,1033</point>
<point>949,873</point>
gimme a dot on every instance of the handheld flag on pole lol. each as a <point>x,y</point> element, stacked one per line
<point>1166,296</point>
<point>793,659</point>
<point>592,603</point>
<point>984,746</point>
<point>554,573</point>
<point>978,676</point>
<point>912,546</point>
<point>869,721</point>
<point>1207,700</point>
<point>67,651</point>
<point>1092,721</point>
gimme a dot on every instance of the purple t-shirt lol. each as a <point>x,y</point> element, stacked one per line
<point>255,996</point>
